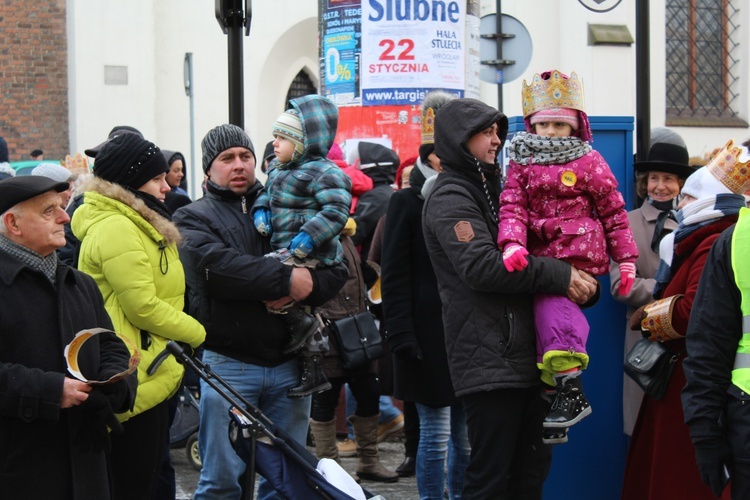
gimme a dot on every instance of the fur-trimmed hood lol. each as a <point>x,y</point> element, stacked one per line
<point>102,197</point>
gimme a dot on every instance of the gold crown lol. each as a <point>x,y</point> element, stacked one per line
<point>432,102</point>
<point>428,126</point>
<point>726,166</point>
<point>557,91</point>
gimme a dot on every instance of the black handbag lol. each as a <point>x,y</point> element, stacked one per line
<point>358,338</point>
<point>651,365</point>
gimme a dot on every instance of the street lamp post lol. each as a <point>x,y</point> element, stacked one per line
<point>232,15</point>
<point>187,74</point>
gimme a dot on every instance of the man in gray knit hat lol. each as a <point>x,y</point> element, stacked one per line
<point>230,285</point>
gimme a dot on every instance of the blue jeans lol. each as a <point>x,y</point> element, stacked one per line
<point>264,387</point>
<point>442,430</point>
<point>388,410</point>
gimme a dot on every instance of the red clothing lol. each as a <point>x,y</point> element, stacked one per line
<point>361,182</point>
<point>661,457</point>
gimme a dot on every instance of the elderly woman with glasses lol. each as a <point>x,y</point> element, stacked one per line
<point>659,180</point>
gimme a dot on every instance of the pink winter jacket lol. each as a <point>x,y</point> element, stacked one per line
<point>570,211</point>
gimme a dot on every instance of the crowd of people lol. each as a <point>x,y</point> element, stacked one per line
<point>476,282</point>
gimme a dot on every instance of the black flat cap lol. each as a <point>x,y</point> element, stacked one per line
<point>14,190</point>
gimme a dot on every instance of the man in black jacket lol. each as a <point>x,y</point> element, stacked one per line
<point>53,428</point>
<point>716,397</point>
<point>487,312</point>
<point>230,284</point>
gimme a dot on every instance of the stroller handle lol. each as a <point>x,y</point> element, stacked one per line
<point>229,393</point>
<point>177,350</point>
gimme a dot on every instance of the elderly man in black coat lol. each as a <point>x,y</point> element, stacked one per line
<point>53,428</point>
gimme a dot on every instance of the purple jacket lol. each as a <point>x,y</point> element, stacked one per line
<point>570,211</point>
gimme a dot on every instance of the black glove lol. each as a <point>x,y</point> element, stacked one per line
<point>404,346</point>
<point>369,274</point>
<point>93,417</point>
<point>713,455</point>
<point>116,393</point>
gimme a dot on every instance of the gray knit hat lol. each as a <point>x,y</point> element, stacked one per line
<point>221,138</point>
<point>54,171</point>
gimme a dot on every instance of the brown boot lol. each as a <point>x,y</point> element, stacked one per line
<point>366,436</point>
<point>325,439</point>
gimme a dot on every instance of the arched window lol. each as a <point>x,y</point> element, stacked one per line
<point>301,85</point>
<point>702,66</point>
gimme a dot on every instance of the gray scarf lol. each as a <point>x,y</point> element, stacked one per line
<point>47,265</point>
<point>526,148</point>
<point>430,176</point>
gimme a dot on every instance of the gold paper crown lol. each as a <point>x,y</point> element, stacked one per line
<point>726,166</point>
<point>77,164</point>
<point>428,126</point>
<point>432,102</point>
<point>554,92</point>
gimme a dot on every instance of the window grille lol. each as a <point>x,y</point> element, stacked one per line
<point>702,64</point>
<point>301,85</point>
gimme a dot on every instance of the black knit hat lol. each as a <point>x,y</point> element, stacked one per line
<point>222,138</point>
<point>116,130</point>
<point>129,160</point>
<point>14,190</point>
<point>268,156</point>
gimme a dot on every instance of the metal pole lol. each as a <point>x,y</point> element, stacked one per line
<point>189,88</point>
<point>643,80</point>
<point>236,99</point>
<point>499,40</point>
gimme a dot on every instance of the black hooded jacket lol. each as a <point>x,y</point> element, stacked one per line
<point>380,164</point>
<point>487,311</point>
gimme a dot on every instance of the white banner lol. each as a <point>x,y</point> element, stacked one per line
<point>410,47</point>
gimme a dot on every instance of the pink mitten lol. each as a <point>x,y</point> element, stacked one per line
<point>627,277</point>
<point>514,257</point>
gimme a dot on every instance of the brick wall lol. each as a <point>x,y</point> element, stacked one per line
<point>34,77</point>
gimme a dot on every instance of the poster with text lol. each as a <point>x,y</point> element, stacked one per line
<point>410,47</point>
<point>400,125</point>
<point>340,35</point>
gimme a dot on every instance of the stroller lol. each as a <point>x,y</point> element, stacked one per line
<point>184,429</point>
<point>287,465</point>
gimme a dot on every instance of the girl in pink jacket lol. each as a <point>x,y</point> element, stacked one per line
<point>561,201</point>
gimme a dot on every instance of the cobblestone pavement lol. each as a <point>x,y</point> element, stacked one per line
<point>391,454</point>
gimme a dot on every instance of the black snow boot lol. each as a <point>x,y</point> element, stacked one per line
<point>313,380</point>
<point>300,325</point>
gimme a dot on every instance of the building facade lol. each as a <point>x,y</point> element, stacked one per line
<point>70,70</point>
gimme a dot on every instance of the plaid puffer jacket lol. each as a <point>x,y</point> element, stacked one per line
<point>311,194</point>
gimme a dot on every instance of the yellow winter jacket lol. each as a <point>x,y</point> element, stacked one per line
<point>131,252</point>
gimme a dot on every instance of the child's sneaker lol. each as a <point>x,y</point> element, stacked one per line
<point>570,405</point>
<point>554,435</point>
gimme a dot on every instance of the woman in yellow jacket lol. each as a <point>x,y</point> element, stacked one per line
<point>129,246</point>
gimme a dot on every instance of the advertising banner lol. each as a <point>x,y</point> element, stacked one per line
<point>410,47</point>
<point>340,38</point>
<point>399,124</point>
